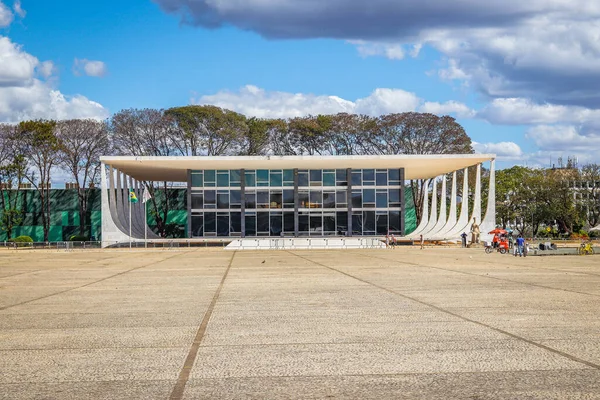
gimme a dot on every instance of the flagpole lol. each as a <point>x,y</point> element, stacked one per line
<point>145,224</point>
<point>130,204</point>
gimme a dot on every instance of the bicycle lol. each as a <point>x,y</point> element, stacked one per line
<point>586,248</point>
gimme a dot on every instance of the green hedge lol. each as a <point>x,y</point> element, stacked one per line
<point>21,241</point>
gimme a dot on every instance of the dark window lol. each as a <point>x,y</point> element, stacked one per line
<point>303,223</point>
<point>235,198</point>
<point>222,224</point>
<point>342,222</point>
<point>262,177</point>
<point>382,224</point>
<point>316,223</point>
<point>316,199</point>
<point>197,180</point>
<point>275,199</point>
<point>382,178</point>
<point>197,200</point>
<point>288,222</point>
<point>394,176</point>
<point>288,198</point>
<point>394,199</point>
<point>341,198</point>
<point>210,177</point>
<point>197,225</point>
<point>236,222</point>
<point>357,222</point>
<point>341,178</point>
<point>250,199</point>
<point>276,224</point>
<point>394,221</point>
<point>303,199</point>
<point>368,175</point>
<point>316,177</point>
<point>356,178</point>
<point>368,197</point>
<point>382,199</point>
<point>357,198</point>
<point>262,222</point>
<point>250,178</point>
<point>210,222</point>
<point>235,175</point>
<point>223,178</point>
<point>262,199</point>
<point>210,199</point>
<point>288,177</point>
<point>328,199</point>
<point>250,225</point>
<point>222,200</point>
<point>329,178</point>
<point>329,222</point>
<point>276,178</point>
<point>368,222</point>
<point>303,178</point>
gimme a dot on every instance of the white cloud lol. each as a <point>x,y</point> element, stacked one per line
<point>506,151</point>
<point>16,66</point>
<point>564,138</point>
<point>461,110</point>
<point>393,51</point>
<point>546,50</point>
<point>6,16</point>
<point>18,9</point>
<point>89,67</point>
<point>254,101</point>
<point>23,95</point>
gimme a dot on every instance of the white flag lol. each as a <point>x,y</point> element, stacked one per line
<point>146,196</point>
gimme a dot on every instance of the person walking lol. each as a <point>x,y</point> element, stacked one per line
<point>393,240</point>
<point>520,246</point>
<point>464,239</point>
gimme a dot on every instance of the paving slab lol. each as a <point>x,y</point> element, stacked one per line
<point>407,323</point>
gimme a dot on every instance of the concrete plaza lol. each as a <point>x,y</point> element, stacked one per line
<point>438,323</point>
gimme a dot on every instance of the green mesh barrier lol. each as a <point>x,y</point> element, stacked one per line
<point>64,214</point>
<point>410,215</point>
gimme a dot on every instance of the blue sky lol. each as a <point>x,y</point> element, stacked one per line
<point>519,77</point>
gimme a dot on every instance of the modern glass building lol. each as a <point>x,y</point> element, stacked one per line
<point>296,202</point>
<point>296,196</point>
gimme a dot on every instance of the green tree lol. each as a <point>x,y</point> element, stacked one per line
<point>590,193</point>
<point>13,168</point>
<point>38,143</point>
<point>81,144</point>
<point>208,130</point>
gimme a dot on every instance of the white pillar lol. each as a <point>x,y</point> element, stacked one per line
<point>441,222</point>
<point>424,211</point>
<point>489,221</point>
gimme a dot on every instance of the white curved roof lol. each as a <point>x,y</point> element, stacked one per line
<point>174,169</point>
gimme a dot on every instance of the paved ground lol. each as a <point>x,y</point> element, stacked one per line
<point>406,323</point>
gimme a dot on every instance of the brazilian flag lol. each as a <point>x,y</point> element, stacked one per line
<point>132,197</point>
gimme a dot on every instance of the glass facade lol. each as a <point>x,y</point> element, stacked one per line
<point>296,202</point>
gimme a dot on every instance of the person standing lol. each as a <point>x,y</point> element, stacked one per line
<point>520,245</point>
<point>422,241</point>
<point>393,241</point>
<point>464,239</point>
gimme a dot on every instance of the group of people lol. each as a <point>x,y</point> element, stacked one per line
<point>390,241</point>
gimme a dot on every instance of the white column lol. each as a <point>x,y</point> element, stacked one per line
<point>462,225</point>
<point>424,211</point>
<point>441,222</point>
<point>489,221</point>
<point>477,199</point>
<point>443,233</point>
<point>434,214</point>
